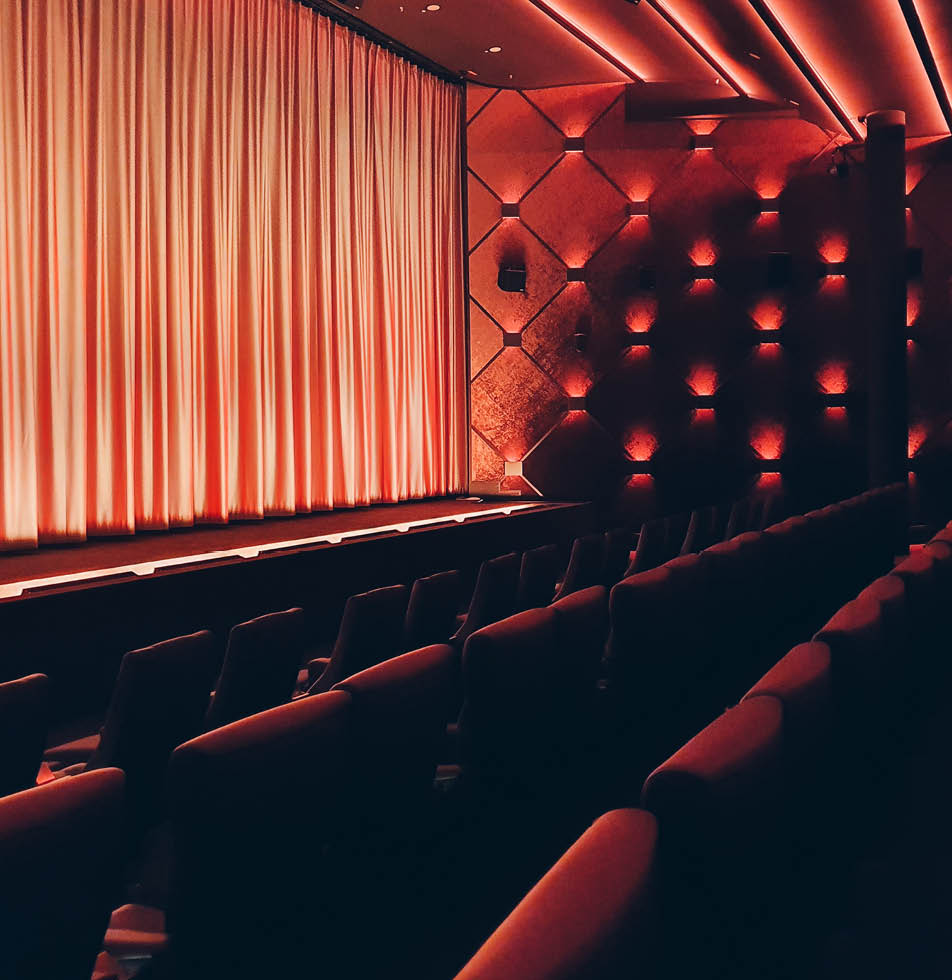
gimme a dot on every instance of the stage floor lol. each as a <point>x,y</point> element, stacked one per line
<point>151,551</point>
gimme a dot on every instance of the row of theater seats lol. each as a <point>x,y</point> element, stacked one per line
<point>533,719</point>
<point>739,856</point>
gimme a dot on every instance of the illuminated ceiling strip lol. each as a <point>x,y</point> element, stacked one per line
<point>673,22</point>
<point>918,33</point>
<point>586,38</point>
<point>780,32</point>
<point>10,590</point>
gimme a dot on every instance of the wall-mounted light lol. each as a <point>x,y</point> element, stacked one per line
<point>577,403</point>
<point>703,272</point>
<point>638,209</point>
<point>769,338</point>
<point>703,414</point>
<point>701,141</point>
<point>574,144</point>
<point>513,467</point>
<point>510,210</point>
<point>511,339</point>
<point>831,269</point>
<point>512,279</point>
<point>575,275</point>
<point>769,205</point>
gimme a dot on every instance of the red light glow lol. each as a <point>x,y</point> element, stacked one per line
<point>833,378</point>
<point>641,445</point>
<point>703,415</point>
<point>917,436</point>
<point>641,314</point>
<point>640,481</point>
<point>772,349</point>
<point>703,252</point>
<point>702,380</point>
<point>767,440</point>
<point>833,247</point>
<point>913,305</point>
<point>769,481</point>
<point>835,413</point>
<point>768,314</point>
<point>703,127</point>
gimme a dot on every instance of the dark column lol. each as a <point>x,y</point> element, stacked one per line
<point>886,293</point>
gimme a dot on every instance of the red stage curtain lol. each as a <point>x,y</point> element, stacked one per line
<point>230,268</point>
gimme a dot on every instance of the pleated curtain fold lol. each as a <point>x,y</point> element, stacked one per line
<point>231,268</point>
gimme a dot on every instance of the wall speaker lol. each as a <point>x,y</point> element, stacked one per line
<point>779,269</point>
<point>512,279</point>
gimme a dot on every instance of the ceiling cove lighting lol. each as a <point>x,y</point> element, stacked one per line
<point>9,590</point>
<point>679,28</point>
<point>921,39</point>
<point>576,30</point>
<point>809,72</point>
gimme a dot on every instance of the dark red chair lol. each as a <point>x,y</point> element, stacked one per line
<point>60,851</point>
<point>159,701</point>
<point>722,858</point>
<point>592,917</point>
<point>399,711</point>
<point>651,550</point>
<point>586,565</point>
<point>24,713</point>
<point>494,597</point>
<point>538,575</point>
<point>256,808</point>
<point>619,544</point>
<point>370,632</point>
<point>432,609</point>
<point>260,668</point>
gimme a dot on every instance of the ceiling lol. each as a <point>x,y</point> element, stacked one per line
<point>831,61</point>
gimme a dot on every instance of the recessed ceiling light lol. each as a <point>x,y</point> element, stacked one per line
<point>754,55</point>
<point>495,49</point>
<point>433,7</point>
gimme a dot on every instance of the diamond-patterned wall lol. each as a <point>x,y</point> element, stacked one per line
<point>648,363</point>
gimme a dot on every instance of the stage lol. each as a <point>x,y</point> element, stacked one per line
<point>162,552</point>
<point>72,612</point>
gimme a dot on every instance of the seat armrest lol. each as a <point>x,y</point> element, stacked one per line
<point>315,669</point>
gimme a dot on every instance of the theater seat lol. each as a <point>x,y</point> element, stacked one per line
<point>256,808</point>
<point>619,543</point>
<point>431,611</point>
<point>260,668</point>
<point>592,916</point>
<point>371,631</point>
<point>538,574</point>
<point>24,713</point>
<point>650,552</point>
<point>159,701</point>
<point>723,859</point>
<point>494,597</point>
<point>586,565</point>
<point>60,851</point>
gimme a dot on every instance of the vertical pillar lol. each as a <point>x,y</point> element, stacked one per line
<point>886,294</point>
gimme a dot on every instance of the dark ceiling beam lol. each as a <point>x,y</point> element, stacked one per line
<point>586,39</point>
<point>662,10</point>
<point>918,33</point>
<point>819,86</point>
<point>342,16</point>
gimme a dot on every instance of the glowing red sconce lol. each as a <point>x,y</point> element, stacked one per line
<point>917,436</point>
<point>638,209</point>
<point>767,441</point>
<point>769,480</point>
<point>834,250</point>
<point>641,314</point>
<point>510,210</point>
<point>769,205</point>
<point>703,415</point>
<point>834,270</point>
<point>577,403</point>
<point>769,348</point>
<point>913,304</point>
<point>513,467</point>
<point>574,144</point>
<point>836,413</point>
<point>702,142</point>
<point>575,275</point>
